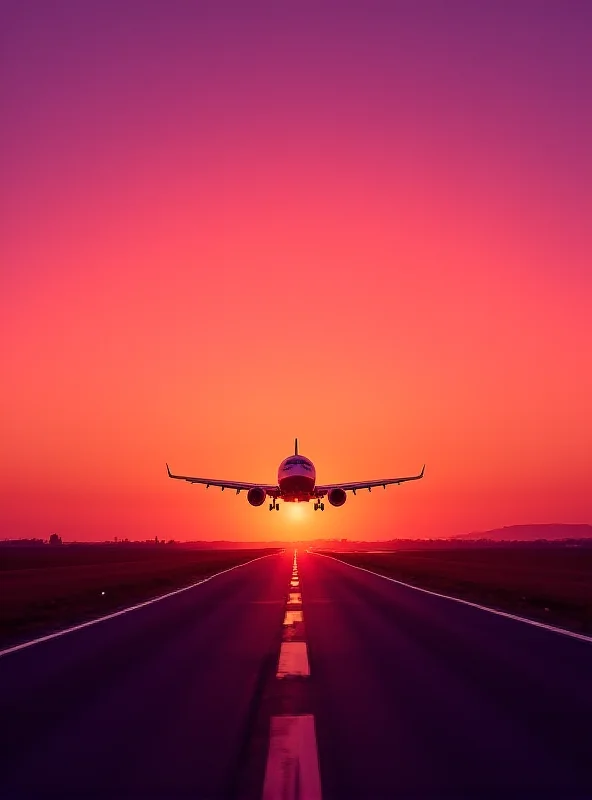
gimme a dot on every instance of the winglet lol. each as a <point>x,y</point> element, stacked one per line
<point>422,471</point>
<point>169,471</point>
<point>295,447</point>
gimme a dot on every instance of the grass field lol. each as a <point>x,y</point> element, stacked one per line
<point>552,586</point>
<point>45,588</point>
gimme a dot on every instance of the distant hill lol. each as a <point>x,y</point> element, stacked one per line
<point>530,533</point>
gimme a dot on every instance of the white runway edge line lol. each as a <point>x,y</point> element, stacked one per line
<point>122,611</point>
<point>572,634</point>
<point>292,771</point>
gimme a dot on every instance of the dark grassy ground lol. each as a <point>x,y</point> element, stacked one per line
<point>552,586</point>
<point>46,588</point>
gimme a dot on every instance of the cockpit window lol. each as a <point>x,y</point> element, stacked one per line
<point>301,462</point>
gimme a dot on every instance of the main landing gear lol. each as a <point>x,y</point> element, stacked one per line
<point>274,505</point>
<point>319,506</point>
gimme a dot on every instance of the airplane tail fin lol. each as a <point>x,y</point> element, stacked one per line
<point>295,447</point>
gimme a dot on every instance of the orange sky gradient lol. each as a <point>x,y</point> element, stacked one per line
<point>217,235</point>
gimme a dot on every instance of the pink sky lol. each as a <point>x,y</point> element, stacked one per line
<point>222,228</point>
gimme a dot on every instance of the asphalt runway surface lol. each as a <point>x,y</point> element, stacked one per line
<point>412,696</point>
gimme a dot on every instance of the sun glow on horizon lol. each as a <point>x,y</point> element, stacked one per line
<point>296,512</point>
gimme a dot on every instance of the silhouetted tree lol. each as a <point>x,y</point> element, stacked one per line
<point>55,539</point>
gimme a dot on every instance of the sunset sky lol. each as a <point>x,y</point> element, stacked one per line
<point>224,225</point>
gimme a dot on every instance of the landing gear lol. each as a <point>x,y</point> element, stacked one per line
<point>319,506</point>
<point>274,505</point>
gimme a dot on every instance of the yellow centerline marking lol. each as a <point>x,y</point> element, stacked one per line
<point>292,617</point>
<point>293,661</point>
<point>292,771</point>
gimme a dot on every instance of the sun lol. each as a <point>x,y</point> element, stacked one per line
<point>296,512</point>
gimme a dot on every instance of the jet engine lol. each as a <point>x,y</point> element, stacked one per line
<point>256,496</point>
<point>337,497</point>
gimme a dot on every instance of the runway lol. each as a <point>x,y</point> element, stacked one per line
<point>406,695</point>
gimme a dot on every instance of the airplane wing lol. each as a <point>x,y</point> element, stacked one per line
<point>353,487</point>
<point>237,485</point>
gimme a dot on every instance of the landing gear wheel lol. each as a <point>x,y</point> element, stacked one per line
<point>316,505</point>
<point>271,506</point>
<point>322,506</point>
<point>277,508</point>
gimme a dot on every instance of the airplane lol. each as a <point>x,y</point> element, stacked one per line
<point>296,484</point>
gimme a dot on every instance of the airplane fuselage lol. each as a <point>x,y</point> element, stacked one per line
<point>296,479</point>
